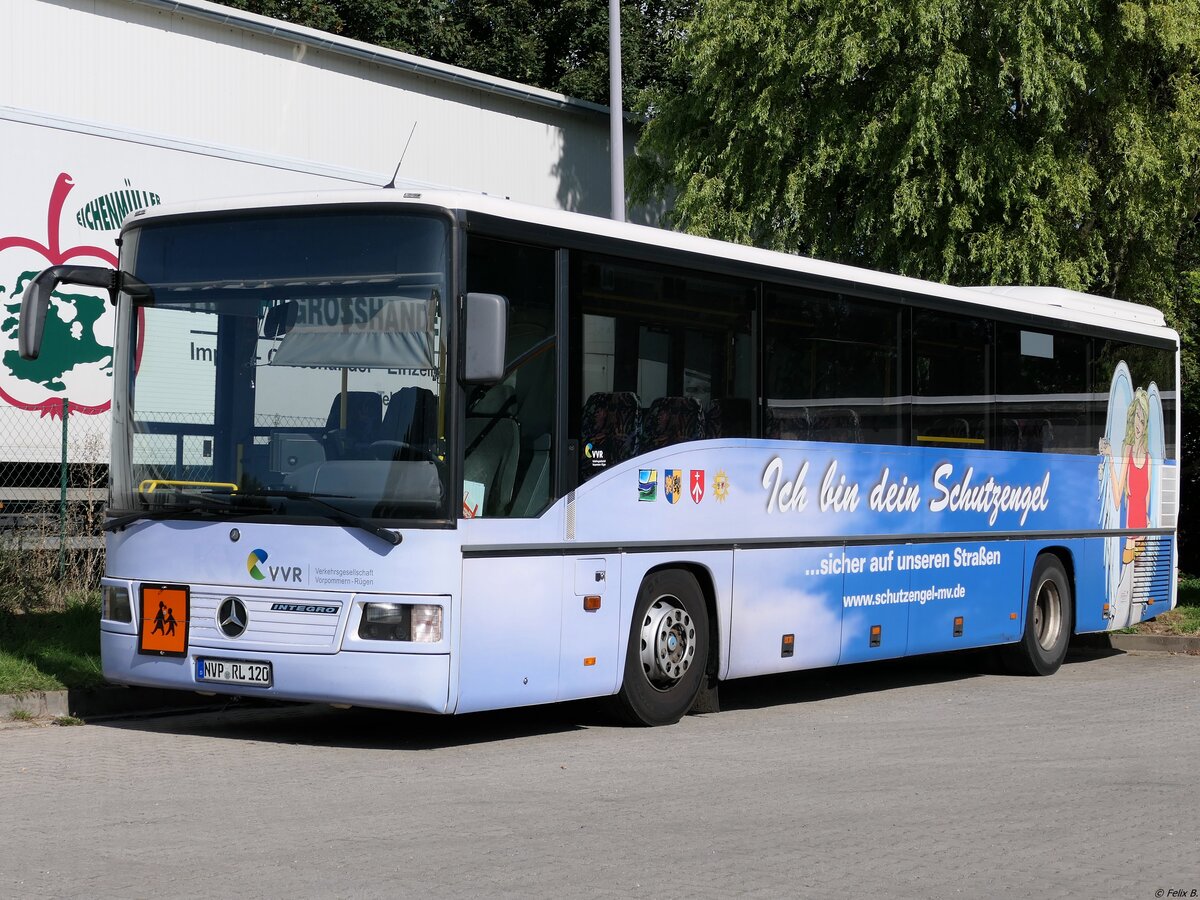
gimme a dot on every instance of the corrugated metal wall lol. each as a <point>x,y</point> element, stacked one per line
<point>197,72</point>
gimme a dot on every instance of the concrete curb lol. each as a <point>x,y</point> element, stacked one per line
<point>39,704</point>
<point>109,702</point>
<point>1169,643</point>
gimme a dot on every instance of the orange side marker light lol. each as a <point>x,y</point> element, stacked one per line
<point>787,647</point>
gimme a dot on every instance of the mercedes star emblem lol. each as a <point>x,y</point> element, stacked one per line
<point>232,618</point>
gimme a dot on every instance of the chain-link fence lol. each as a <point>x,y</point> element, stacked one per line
<point>178,446</point>
<point>51,463</point>
<point>53,488</point>
<point>54,466</point>
<point>173,446</point>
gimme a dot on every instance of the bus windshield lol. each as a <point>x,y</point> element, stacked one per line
<point>285,366</point>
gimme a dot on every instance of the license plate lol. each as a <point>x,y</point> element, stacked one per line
<point>234,671</point>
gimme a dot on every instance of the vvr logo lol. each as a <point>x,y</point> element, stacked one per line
<point>278,573</point>
<point>284,573</point>
<point>253,561</point>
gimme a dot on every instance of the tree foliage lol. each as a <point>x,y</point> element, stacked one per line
<point>559,45</point>
<point>421,28</point>
<point>1054,142</point>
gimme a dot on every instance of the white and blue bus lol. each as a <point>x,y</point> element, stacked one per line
<point>447,453</point>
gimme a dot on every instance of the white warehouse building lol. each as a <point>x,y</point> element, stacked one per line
<point>110,105</point>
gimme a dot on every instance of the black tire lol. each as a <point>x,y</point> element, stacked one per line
<point>1049,620</point>
<point>667,656</point>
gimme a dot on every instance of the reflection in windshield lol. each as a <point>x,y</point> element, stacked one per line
<point>355,332</point>
<point>320,394</point>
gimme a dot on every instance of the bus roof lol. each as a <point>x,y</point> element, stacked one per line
<point>1056,304</point>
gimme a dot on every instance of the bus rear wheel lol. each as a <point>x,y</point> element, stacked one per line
<point>1048,621</point>
<point>667,656</point>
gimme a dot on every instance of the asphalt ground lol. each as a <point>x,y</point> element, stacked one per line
<point>923,778</point>
<point>118,701</point>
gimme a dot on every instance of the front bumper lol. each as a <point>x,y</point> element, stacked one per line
<point>415,682</point>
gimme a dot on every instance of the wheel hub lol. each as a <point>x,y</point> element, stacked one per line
<point>1047,615</point>
<point>668,642</point>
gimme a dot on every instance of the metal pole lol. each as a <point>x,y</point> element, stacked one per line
<point>616,125</point>
<point>62,495</point>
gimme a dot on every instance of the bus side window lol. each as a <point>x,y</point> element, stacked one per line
<point>677,341</point>
<point>612,425</point>
<point>832,368</point>
<point>1041,387</point>
<point>728,417</point>
<point>673,420</point>
<point>508,442</point>
<point>951,380</point>
<point>1147,365</point>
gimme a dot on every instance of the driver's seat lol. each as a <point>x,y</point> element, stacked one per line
<point>411,419</point>
<point>364,410</point>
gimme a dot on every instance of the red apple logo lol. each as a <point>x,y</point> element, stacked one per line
<point>76,358</point>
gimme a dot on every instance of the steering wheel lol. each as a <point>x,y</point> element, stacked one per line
<point>399,450</point>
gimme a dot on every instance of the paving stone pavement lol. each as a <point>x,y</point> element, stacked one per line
<point>914,779</point>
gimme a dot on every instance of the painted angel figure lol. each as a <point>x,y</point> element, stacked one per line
<point>1131,453</point>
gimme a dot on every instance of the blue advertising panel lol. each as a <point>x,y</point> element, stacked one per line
<point>876,597</point>
<point>784,592</point>
<point>966,595</point>
<point>779,492</point>
<point>795,489</point>
<point>850,604</point>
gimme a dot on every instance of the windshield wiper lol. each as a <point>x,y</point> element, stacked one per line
<point>333,512</point>
<point>226,504</point>
<point>197,504</point>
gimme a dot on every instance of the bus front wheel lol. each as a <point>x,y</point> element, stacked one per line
<point>667,656</point>
<point>1048,621</point>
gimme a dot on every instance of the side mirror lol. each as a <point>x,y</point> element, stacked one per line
<point>485,334</point>
<point>35,301</point>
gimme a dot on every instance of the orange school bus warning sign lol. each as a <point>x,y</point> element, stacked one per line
<point>164,625</point>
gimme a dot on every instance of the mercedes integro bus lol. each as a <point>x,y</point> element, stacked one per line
<point>444,452</point>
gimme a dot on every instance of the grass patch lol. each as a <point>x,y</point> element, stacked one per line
<point>67,721</point>
<point>50,600</point>
<point>1184,619</point>
<point>1189,591</point>
<point>21,715</point>
<point>51,651</point>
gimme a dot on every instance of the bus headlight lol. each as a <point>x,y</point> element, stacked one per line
<point>114,604</point>
<point>426,624</point>
<point>418,623</point>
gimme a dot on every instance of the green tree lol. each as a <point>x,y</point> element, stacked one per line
<point>425,29</point>
<point>1051,142</point>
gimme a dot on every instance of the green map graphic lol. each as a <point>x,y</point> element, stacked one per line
<point>65,345</point>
